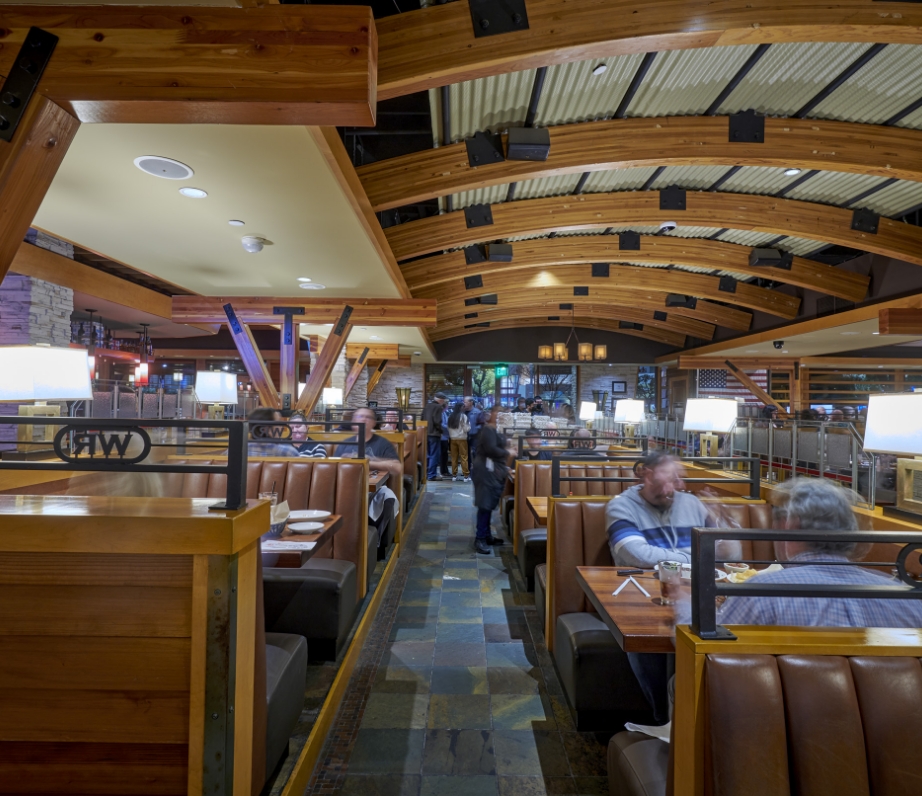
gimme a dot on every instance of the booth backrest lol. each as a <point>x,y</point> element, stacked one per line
<point>533,479</point>
<point>578,537</point>
<point>339,486</point>
<point>813,724</point>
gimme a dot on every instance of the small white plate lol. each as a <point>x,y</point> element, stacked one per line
<point>309,514</point>
<point>305,527</point>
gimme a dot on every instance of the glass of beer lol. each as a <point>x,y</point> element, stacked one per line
<point>670,581</point>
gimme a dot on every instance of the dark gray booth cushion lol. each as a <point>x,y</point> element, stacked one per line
<point>317,601</point>
<point>532,552</point>
<point>637,765</point>
<point>541,593</point>
<point>594,671</point>
<point>286,673</point>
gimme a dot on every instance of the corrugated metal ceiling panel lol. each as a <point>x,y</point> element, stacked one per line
<point>789,75</point>
<point>490,103</point>
<point>757,179</point>
<point>480,196</point>
<point>894,200</point>
<point>833,187</point>
<point>913,120</point>
<point>798,246</point>
<point>890,82</point>
<point>573,94</point>
<point>617,180</point>
<point>684,82</point>
<point>686,231</point>
<point>692,178</point>
<point>547,186</point>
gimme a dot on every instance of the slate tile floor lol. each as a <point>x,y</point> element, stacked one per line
<point>464,700</point>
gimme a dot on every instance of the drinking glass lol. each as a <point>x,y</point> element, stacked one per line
<point>670,581</point>
<point>272,497</point>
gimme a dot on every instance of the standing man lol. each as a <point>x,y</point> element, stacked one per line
<point>475,419</point>
<point>432,415</point>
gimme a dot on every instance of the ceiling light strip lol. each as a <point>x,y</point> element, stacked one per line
<point>737,79</point>
<point>846,73</point>
<point>639,75</point>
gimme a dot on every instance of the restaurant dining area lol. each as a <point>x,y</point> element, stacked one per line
<point>461,398</point>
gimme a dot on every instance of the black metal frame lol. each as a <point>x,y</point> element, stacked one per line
<point>754,480</point>
<point>643,442</point>
<point>705,589</point>
<point>402,415</point>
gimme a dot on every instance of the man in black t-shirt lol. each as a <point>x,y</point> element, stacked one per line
<point>377,449</point>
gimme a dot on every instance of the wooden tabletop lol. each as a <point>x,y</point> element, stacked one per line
<point>377,479</point>
<point>297,558</point>
<point>638,623</point>
<point>538,507</point>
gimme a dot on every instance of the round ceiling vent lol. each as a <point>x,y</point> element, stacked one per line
<point>163,167</point>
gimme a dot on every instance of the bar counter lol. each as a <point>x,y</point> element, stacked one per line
<point>129,631</point>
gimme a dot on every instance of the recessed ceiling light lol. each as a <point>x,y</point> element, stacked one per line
<point>166,168</point>
<point>875,332</point>
<point>791,172</point>
<point>312,286</point>
<point>305,279</point>
<point>375,337</point>
<point>235,222</point>
<point>193,193</point>
<point>601,69</point>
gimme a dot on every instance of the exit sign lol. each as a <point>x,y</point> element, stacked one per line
<point>502,370</point>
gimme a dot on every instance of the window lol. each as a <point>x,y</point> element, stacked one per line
<point>447,379</point>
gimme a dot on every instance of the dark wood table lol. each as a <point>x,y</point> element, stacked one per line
<point>638,623</point>
<point>377,480</point>
<point>538,508</point>
<point>297,558</point>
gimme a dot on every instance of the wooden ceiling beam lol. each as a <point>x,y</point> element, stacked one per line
<point>622,278</point>
<point>356,371</point>
<point>326,361</point>
<point>649,333</point>
<point>375,350</point>
<point>366,312</point>
<point>436,46</point>
<point>899,321</point>
<point>746,363</point>
<point>652,142</point>
<point>610,312</point>
<point>375,377</point>
<point>654,249</point>
<point>754,388</point>
<point>280,64</point>
<point>252,360</point>
<point>547,301</point>
<point>634,208</point>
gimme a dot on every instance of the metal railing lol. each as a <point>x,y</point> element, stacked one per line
<point>705,589</point>
<point>558,444</point>
<point>405,421</point>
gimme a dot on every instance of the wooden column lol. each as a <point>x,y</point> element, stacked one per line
<point>252,360</point>
<point>325,362</point>
<point>356,371</point>
<point>796,388</point>
<point>376,376</point>
<point>28,164</point>
<point>754,388</point>
<point>289,347</point>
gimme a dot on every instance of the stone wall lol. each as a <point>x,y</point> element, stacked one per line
<point>385,391</point>
<point>600,377</point>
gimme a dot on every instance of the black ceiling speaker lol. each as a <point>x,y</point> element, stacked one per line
<point>528,143</point>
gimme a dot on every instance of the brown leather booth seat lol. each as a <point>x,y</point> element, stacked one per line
<point>599,684</point>
<point>320,600</point>
<point>786,724</point>
<point>533,479</point>
<point>541,592</point>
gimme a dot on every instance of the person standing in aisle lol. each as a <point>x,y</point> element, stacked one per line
<point>458,427</point>
<point>474,415</point>
<point>443,444</point>
<point>432,415</point>
<point>489,475</point>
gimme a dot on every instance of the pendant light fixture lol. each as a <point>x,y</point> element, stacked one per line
<point>560,352</point>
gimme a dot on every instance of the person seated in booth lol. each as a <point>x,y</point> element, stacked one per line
<point>391,420</point>
<point>266,438</point>
<point>301,442</point>
<point>812,504</point>
<point>378,450</point>
<point>581,444</point>
<point>534,448</point>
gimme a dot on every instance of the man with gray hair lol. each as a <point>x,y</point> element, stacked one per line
<point>811,504</point>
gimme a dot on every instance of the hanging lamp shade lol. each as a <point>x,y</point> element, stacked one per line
<point>601,352</point>
<point>545,352</point>
<point>585,352</point>
<point>560,352</point>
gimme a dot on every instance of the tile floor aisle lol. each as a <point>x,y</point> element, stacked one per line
<point>461,698</point>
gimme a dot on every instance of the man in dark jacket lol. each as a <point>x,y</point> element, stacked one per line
<point>432,415</point>
<point>474,418</point>
<point>489,476</point>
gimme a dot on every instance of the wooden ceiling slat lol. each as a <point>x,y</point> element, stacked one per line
<point>622,278</point>
<point>663,250</point>
<point>703,209</point>
<point>436,46</point>
<point>546,301</point>
<point>643,142</point>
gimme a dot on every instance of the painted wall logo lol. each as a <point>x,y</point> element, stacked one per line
<point>110,444</point>
<point>281,431</point>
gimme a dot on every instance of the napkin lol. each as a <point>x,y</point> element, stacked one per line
<point>654,732</point>
<point>280,513</point>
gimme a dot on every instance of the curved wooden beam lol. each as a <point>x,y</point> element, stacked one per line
<point>654,249</point>
<point>703,209</point>
<point>622,279</point>
<point>649,333</point>
<point>436,46</point>
<point>637,143</point>
<point>609,312</point>
<point>547,301</point>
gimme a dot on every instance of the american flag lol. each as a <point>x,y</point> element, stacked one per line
<point>723,384</point>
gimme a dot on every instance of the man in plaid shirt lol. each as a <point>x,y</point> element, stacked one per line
<point>810,504</point>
